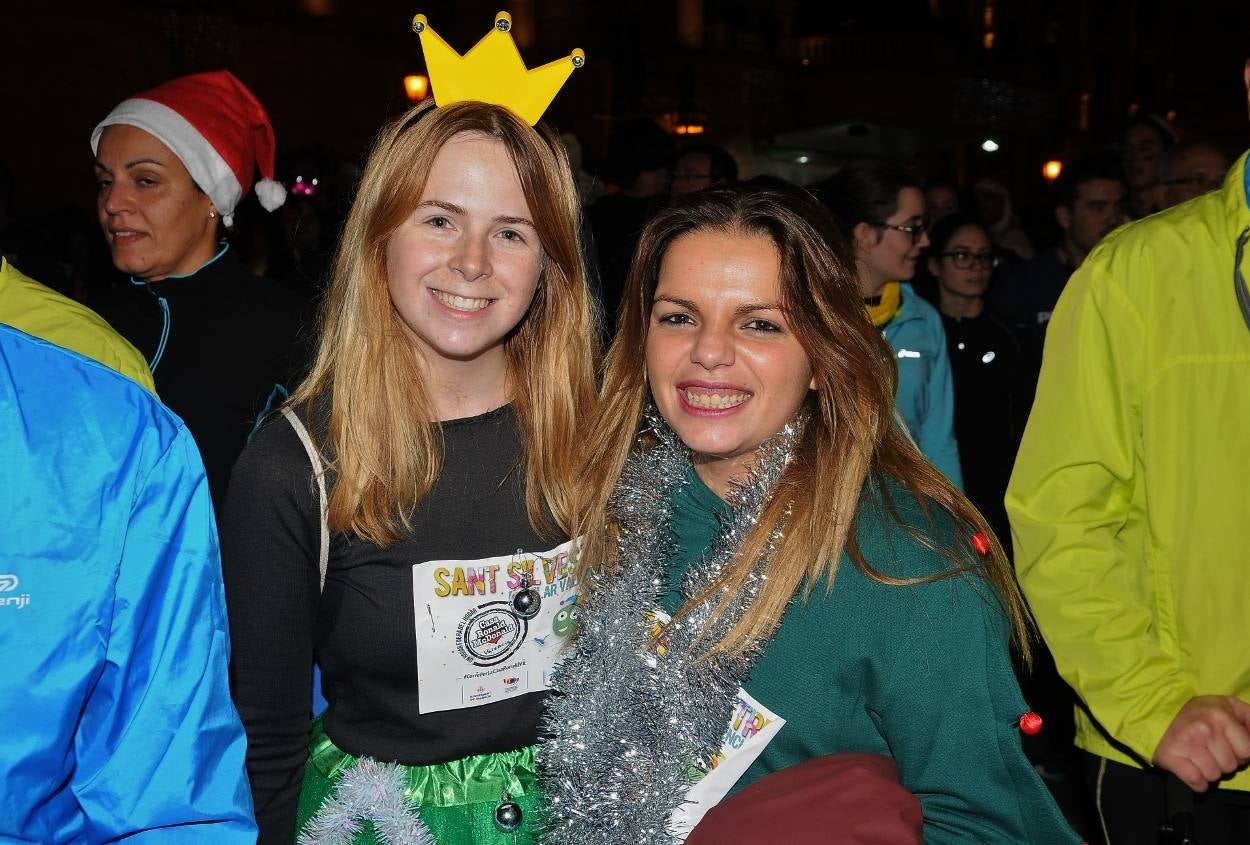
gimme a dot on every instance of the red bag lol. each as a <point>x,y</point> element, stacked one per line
<point>841,799</point>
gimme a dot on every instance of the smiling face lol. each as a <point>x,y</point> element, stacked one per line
<point>885,254</point>
<point>566,621</point>
<point>724,367</point>
<point>154,217</point>
<point>462,270</point>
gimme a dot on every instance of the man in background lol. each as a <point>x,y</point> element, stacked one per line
<point>1191,169</point>
<point>701,166</point>
<point>1147,137</point>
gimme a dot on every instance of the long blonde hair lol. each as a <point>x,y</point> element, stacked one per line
<point>384,450</point>
<point>850,438</point>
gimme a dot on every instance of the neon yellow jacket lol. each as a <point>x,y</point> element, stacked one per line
<point>40,311</point>
<point>1130,500</point>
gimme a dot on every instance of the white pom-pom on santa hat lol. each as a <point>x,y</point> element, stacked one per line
<point>216,127</point>
<point>270,193</point>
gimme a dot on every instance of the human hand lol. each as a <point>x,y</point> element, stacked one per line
<point>1208,738</point>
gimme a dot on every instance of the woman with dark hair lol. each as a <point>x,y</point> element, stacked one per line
<point>172,165</point>
<point>991,386</point>
<point>880,208</point>
<point>778,574</point>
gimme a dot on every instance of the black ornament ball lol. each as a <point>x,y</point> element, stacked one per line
<point>508,816</point>
<point>526,603</point>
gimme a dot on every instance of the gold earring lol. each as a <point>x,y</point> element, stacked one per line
<point>212,215</point>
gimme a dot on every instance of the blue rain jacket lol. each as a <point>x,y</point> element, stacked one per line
<point>926,396</point>
<point>117,718</point>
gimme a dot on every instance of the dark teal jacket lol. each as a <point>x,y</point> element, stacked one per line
<point>921,673</point>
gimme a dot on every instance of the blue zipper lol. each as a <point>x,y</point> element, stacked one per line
<point>166,319</point>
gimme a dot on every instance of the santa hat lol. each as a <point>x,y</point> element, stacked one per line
<point>216,127</point>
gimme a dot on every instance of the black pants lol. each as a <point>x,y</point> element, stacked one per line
<point>1132,804</point>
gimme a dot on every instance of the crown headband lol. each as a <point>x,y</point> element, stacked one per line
<point>493,71</point>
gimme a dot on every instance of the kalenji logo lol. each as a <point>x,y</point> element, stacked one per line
<point>9,583</point>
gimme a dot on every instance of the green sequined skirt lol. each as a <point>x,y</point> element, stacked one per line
<point>456,800</point>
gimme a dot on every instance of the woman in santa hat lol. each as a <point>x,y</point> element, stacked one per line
<point>172,164</point>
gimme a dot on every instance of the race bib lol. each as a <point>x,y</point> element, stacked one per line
<point>751,727</point>
<point>472,649</point>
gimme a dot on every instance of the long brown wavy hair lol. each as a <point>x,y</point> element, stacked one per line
<point>384,450</point>
<point>851,437</point>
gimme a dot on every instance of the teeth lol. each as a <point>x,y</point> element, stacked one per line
<point>461,303</point>
<point>715,400</point>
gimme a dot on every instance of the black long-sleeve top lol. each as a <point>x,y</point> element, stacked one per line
<point>218,341</point>
<point>363,629</point>
<point>992,387</point>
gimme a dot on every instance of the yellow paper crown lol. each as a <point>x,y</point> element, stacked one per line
<point>493,72</point>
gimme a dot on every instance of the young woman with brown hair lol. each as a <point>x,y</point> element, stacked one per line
<point>780,574</point>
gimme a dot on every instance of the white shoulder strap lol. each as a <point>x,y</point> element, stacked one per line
<point>319,476</point>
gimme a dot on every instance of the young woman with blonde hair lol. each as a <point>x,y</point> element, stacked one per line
<point>406,522</point>
<point>782,576</point>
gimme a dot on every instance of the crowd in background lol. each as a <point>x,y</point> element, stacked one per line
<point>947,270</point>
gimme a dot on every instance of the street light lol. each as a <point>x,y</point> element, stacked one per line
<point>1052,169</point>
<point>989,145</point>
<point>417,86</point>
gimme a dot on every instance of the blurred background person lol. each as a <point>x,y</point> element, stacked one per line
<point>941,198</point>
<point>1191,169</point>
<point>1147,137</point>
<point>880,210</point>
<point>1089,204</point>
<point>992,203</point>
<point>702,165</point>
<point>986,365</point>
<point>992,397</point>
<point>640,161</point>
<point>589,188</point>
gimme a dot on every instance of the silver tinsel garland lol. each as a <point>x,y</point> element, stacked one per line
<point>635,728</point>
<point>369,791</point>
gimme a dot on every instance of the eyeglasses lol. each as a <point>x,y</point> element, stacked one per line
<point>915,231</point>
<point>1206,183</point>
<point>964,260</point>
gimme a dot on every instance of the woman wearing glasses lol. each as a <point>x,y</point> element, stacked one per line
<point>880,207</point>
<point>991,388</point>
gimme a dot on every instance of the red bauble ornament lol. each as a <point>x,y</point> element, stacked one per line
<point>1030,723</point>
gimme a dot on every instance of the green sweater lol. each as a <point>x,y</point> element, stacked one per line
<point>919,673</point>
